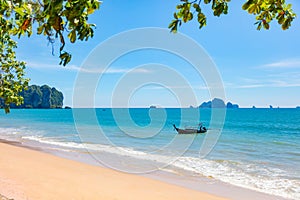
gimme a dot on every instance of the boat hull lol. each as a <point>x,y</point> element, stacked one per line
<point>189,131</point>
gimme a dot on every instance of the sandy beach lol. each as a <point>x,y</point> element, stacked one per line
<point>30,174</point>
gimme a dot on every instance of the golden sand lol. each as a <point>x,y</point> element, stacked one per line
<point>29,174</point>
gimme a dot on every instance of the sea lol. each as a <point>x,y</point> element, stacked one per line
<point>258,149</point>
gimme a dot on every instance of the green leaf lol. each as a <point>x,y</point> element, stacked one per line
<point>40,29</point>
<point>72,36</point>
<point>178,7</point>
<point>175,16</point>
<point>90,11</point>
<point>171,24</point>
<point>67,60</point>
<point>245,6</point>
<point>196,6</point>
<point>257,9</point>
<point>20,11</point>
<point>190,16</point>
<point>259,26</point>
<point>252,9</point>
<point>266,26</point>
<point>286,24</point>
<point>280,19</point>
<point>63,55</point>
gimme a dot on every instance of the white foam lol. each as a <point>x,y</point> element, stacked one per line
<point>84,146</point>
<point>9,131</point>
<point>51,141</point>
<point>11,134</point>
<point>267,183</point>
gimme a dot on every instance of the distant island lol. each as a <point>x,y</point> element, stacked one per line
<point>298,107</point>
<point>39,97</point>
<point>218,103</point>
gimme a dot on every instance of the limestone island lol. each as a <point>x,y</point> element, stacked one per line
<point>218,103</point>
<point>39,97</point>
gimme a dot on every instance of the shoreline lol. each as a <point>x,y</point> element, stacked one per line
<point>31,174</point>
<point>204,185</point>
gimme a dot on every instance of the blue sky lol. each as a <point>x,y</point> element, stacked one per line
<point>258,68</point>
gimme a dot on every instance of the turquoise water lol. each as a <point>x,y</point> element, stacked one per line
<point>258,148</point>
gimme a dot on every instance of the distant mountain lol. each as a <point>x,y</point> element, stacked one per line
<point>218,103</point>
<point>231,105</point>
<point>40,97</point>
<point>215,103</point>
<point>298,107</point>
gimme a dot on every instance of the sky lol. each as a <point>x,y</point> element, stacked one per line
<point>258,68</point>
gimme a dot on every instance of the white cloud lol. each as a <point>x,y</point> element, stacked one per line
<point>99,70</point>
<point>266,84</point>
<point>292,63</point>
<point>269,79</point>
<point>36,65</point>
<point>251,86</point>
<point>172,87</point>
<point>110,70</point>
